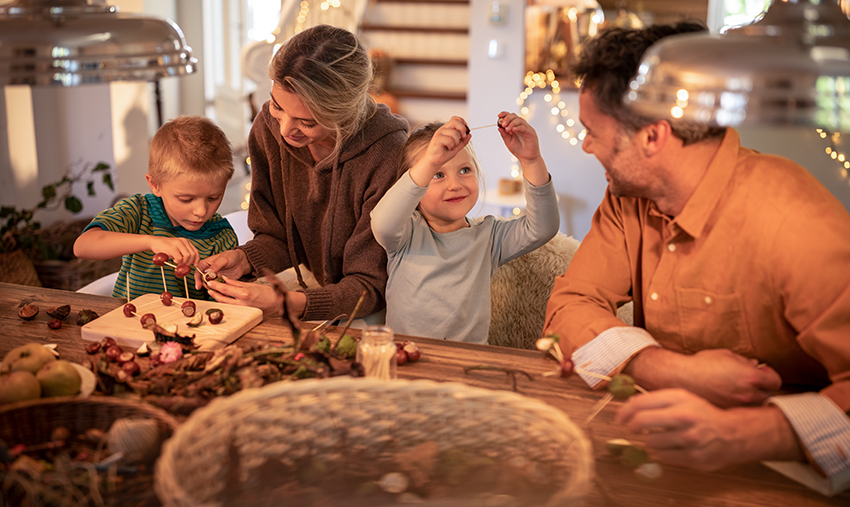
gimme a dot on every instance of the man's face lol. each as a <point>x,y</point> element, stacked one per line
<point>625,169</point>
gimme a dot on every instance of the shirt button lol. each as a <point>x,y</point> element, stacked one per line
<point>708,300</point>
<point>671,247</point>
<point>653,296</point>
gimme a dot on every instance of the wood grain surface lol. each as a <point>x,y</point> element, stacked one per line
<point>615,485</point>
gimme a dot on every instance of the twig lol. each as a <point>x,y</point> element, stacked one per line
<point>351,319</point>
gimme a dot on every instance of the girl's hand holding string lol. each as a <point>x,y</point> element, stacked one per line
<point>521,140</point>
<point>447,142</point>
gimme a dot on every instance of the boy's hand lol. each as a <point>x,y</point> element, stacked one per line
<point>519,137</point>
<point>447,142</point>
<point>180,249</point>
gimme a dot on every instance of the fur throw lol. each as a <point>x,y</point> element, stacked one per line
<point>520,290</point>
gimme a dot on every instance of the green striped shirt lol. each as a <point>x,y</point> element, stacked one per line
<point>145,214</point>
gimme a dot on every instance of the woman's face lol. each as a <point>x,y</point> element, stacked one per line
<point>297,126</point>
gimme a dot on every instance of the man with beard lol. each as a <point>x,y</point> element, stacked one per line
<point>738,264</point>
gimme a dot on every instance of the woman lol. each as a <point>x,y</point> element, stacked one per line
<point>322,155</point>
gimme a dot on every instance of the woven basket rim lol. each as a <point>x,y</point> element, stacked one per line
<point>205,420</point>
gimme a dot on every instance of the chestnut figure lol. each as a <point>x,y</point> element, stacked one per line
<point>160,259</point>
<point>188,308</point>
<point>166,298</point>
<point>129,310</point>
<point>181,270</point>
<point>215,316</point>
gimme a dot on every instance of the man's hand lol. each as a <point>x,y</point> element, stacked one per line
<point>683,429</point>
<point>722,377</point>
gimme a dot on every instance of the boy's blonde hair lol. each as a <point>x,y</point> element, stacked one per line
<point>418,140</point>
<point>190,145</point>
<point>329,69</point>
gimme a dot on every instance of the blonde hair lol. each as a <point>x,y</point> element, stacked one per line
<point>192,145</point>
<point>418,140</point>
<point>329,69</point>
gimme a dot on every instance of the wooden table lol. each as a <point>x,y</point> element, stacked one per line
<point>616,485</point>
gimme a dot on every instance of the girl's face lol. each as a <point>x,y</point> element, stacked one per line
<point>297,126</point>
<point>451,195</point>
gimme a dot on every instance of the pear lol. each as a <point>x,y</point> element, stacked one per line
<point>30,357</point>
<point>59,378</point>
<point>18,385</point>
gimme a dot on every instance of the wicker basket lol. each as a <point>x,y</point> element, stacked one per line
<point>31,422</point>
<point>345,419</point>
<point>75,273</point>
<point>16,267</point>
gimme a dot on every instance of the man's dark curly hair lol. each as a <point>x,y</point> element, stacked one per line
<point>609,61</point>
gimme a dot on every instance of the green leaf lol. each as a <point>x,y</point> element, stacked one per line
<point>6,211</point>
<point>101,166</point>
<point>107,180</point>
<point>90,187</point>
<point>48,192</point>
<point>73,204</point>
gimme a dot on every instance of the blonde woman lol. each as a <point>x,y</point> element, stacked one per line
<point>322,155</point>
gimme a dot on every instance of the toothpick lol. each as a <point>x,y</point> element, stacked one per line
<point>128,286</point>
<point>484,127</point>
<point>598,407</point>
<point>164,285</point>
<point>186,285</point>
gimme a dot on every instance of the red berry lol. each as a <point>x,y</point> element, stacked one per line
<point>567,367</point>
<point>181,270</point>
<point>188,307</point>
<point>166,298</point>
<point>129,309</point>
<point>93,347</point>
<point>401,357</point>
<point>113,353</point>
<point>160,259</point>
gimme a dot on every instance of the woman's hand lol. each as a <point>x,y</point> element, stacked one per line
<point>264,297</point>
<point>230,263</point>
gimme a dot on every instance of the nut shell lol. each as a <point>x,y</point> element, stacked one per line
<point>28,312</point>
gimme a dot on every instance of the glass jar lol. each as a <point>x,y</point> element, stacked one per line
<point>377,353</point>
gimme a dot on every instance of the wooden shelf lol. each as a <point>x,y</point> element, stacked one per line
<point>409,93</point>
<point>415,29</point>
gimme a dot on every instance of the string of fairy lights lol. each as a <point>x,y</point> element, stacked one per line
<point>567,126</point>
<point>843,160</point>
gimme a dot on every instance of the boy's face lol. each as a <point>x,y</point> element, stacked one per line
<point>451,194</point>
<point>189,201</point>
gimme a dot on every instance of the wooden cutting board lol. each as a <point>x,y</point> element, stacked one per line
<point>129,332</point>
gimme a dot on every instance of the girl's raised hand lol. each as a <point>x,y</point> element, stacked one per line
<point>447,142</point>
<point>519,137</point>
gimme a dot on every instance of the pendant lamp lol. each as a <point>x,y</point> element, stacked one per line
<point>74,42</point>
<point>791,67</point>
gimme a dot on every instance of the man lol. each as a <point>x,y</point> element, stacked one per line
<point>738,264</point>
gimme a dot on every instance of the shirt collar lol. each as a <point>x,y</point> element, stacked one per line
<point>704,200</point>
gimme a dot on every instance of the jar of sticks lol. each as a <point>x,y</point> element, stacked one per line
<point>377,353</point>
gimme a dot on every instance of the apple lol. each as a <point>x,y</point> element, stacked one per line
<point>19,385</point>
<point>30,357</point>
<point>59,378</point>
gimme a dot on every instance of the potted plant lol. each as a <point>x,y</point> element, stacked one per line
<point>23,241</point>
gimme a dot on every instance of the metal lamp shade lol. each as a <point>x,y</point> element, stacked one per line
<point>792,67</point>
<point>70,43</point>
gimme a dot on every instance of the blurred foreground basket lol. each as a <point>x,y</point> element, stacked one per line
<point>31,422</point>
<point>226,448</point>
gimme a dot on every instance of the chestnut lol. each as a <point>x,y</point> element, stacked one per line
<point>28,312</point>
<point>160,259</point>
<point>113,353</point>
<point>215,315</point>
<point>567,367</point>
<point>93,348</point>
<point>131,367</point>
<point>401,357</point>
<point>181,270</point>
<point>166,298</point>
<point>54,323</point>
<point>147,318</point>
<point>129,310</point>
<point>412,350</point>
<point>108,341</point>
<point>126,357</point>
<point>188,308</point>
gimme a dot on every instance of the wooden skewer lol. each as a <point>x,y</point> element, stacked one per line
<point>484,127</point>
<point>128,286</point>
<point>598,407</point>
<point>164,286</point>
<point>351,319</point>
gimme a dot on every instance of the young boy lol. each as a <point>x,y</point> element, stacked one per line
<point>189,165</point>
